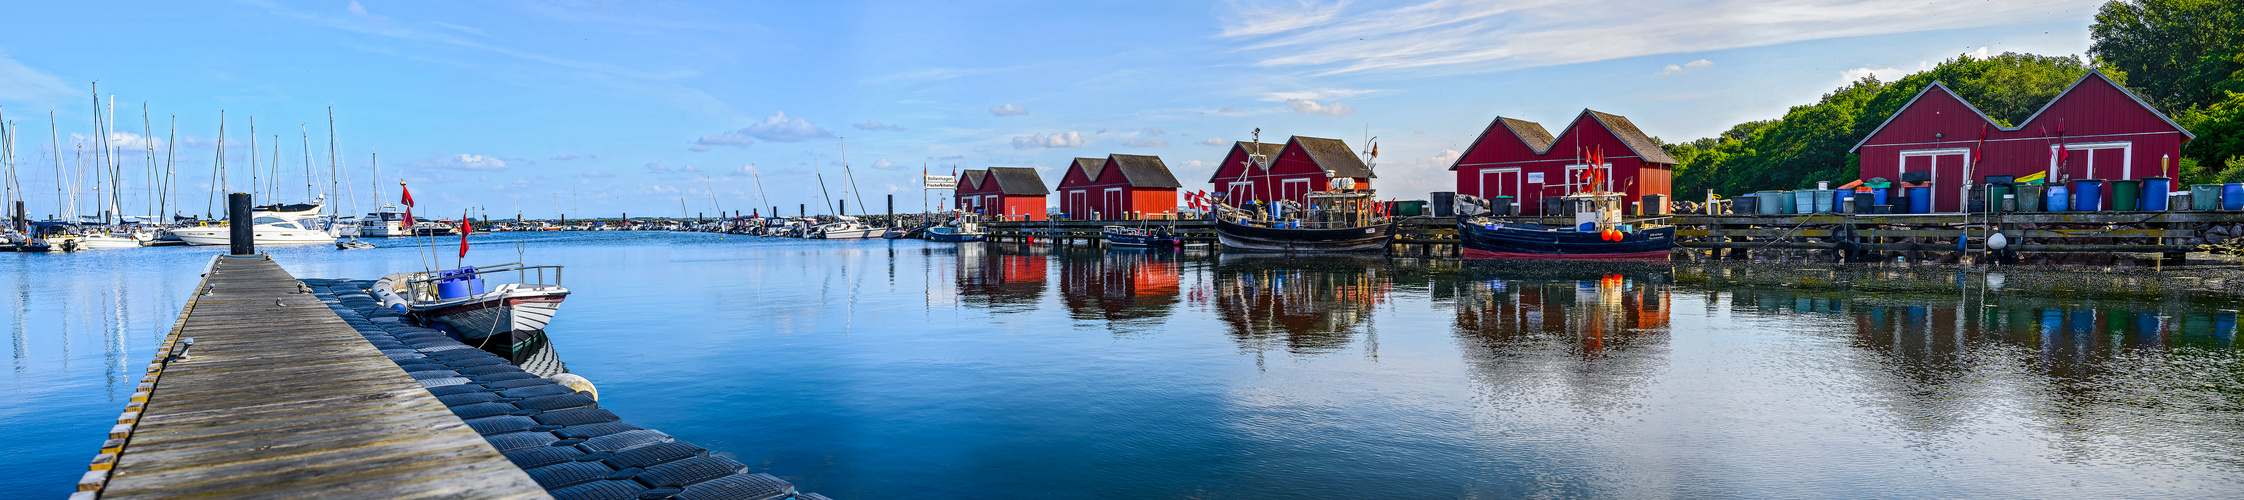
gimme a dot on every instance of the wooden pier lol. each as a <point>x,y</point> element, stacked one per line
<point>278,397</point>
<point>2170,234</point>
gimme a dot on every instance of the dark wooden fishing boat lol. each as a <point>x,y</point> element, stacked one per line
<point>1333,221</point>
<point>1596,235</point>
<point>1157,237</point>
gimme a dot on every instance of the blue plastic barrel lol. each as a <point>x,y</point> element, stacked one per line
<point>2232,196</point>
<point>2088,195</point>
<point>1920,200</point>
<point>2154,193</point>
<point>1878,196</point>
<point>2060,199</point>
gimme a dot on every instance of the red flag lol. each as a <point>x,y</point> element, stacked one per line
<point>408,198</point>
<point>408,218</point>
<point>466,228</point>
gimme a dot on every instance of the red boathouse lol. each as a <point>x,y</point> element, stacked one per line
<point>2106,133</point>
<point>1520,159</point>
<point>1118,187</point>
<point>1002,193</point>
<point>1289,172</point>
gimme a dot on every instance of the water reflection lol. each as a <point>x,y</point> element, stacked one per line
<point>1129,289</point>
<point>1281,302</point>
<point>1590,317</point>
<point>1003,277</point>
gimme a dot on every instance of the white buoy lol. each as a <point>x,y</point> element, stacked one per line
<point>1997,241</point>
<point>576,383</point>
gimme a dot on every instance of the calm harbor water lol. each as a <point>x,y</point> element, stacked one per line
<point>887,369</point>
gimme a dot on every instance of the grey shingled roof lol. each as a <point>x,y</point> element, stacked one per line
<point>1635,138</point>
<point>1144,171</point>
<point>1269,152</point>
<point>1333,155</point>
<point>975,176</point>
<point>1019,181</point>
<point>1091,168</point>
<point>1529,132</point>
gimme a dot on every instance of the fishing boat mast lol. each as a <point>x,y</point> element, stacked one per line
<point>852,177</point>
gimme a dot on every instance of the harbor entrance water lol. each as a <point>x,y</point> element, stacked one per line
<point>885,369</point>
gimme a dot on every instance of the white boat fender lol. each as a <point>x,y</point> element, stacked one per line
<point>577,383</point>
<point>1997,241</point>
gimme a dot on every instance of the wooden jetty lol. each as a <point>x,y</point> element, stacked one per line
<point>2167,233</point>
<point>261,391</point>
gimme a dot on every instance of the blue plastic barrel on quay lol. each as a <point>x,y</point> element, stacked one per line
<point>1920,200</point>
<point>2088,195</point>
<point>2060,199</point>
<point>1790,205</point>
<point>2154,193</point>
<point>2232,196</point>
<point>1878,196</point>
<point>1805,202</point>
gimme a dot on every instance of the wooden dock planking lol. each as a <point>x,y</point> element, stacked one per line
<point>282,399</point>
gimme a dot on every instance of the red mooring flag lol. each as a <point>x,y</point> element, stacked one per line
<point>408,198</point>
<point>466,227</point>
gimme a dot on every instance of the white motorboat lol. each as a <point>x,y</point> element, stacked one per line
<point>847,229</point>
<point>388,222</point>
<point>273,225</point>
<point>112,240</point>
<point>507,319</point>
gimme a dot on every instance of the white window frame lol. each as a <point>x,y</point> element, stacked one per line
<point>1238,192</point>
<point>1286,186</point>
<point>1933,171</point>
<point>1519,183</point>
<point>2126,157</point>
<point>1079,203</point>
<point>1112,194</point>
<point>1576,176</point>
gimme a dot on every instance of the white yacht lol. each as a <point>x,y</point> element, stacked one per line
<point>847,229</point>
<point>274,225</point>
<point>388,222</point>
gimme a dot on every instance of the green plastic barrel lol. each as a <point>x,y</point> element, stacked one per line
<point>2124,194</point>
<point>2029,197</point>
<point>2205,197</point>
<point>1995,192</point>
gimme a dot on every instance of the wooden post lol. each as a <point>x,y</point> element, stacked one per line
<point>241,232</point>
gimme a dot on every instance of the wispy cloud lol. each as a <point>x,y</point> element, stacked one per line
<point>1147,142</point>
<point>1679,68</point>
<point>1308,107</point>
<point>564,157</point>
<point>884,164</point>
<point>1469,35</point>
<point>1008,109</point>
<point>780,128</point>
<point>462,161</point>
<point>22,83</point>
<point>1211,141</point>
<point>360,12</point>
<point>1068,139</point>
<point>875,125</point>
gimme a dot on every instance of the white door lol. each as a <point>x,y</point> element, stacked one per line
<point>1079,205</point>
<point>1505,181</point>
<point>1112,202</point>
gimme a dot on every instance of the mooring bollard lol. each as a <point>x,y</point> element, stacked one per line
<point>240,231</point>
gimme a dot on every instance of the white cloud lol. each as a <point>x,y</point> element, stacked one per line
<point>1147,142</point>
<point>564,157</point>
<point>1464,36</point>
<point>1068,139</point>
<point>595,174</point>
<point>461,161</point>
<point>1008,109</point>
<point>658,167</point>
<point>875,125</point>
<point>1211,141</point>
<point>779,128</point>
<point>884,164</point>
<point>1314,94</point>
<point>1308,107</point>
<point>1447,156</point>
<point>688,168</point>
<point>1886,74</point>
<point>360,11</point>
<point>1679,68</point>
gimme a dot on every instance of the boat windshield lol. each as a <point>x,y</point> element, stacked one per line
<point>267,220</point>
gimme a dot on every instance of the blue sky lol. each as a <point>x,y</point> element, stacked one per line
<point>603,107</point>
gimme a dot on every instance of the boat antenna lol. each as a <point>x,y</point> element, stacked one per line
<point>860,195</point>
<point>821,181</point>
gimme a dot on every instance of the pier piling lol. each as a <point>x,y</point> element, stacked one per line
<point>241,230</point>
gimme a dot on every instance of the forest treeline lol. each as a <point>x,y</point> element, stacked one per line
<point>2186,57</point>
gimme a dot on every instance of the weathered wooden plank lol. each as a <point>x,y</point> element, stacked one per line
<point>282,399</point>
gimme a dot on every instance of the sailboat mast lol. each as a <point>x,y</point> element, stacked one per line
<point>759,175</point>
<point>218,166</point>
<point>148,139</point>
<point>171,170</point>
<point>256,187</point>
<point>860,195</point>
<point>311,177</point>
<point>829,197</point>
<point>60,208</point>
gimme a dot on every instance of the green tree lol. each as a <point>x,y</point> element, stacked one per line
<point>2182,53</point>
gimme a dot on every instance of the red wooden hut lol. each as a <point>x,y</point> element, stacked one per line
<point>1520,159</point>
<point>1003,193</point>
<point>2106,132</point>
<point>1288,172</point>
<point>1118,187</point>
